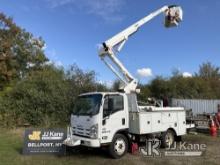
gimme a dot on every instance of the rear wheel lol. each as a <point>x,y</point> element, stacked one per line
<point>167,139</point>
<point>119,146</point>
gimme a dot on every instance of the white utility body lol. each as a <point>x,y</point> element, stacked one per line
<point>157,119</point>
<point>115,119</point>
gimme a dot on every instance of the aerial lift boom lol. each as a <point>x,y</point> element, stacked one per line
<point>173,16</point>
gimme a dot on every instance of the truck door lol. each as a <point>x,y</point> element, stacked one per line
<point>114,117</point>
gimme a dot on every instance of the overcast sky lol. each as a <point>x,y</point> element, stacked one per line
<point>72,30</point>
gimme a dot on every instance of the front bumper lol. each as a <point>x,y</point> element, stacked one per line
<point>73,140</point>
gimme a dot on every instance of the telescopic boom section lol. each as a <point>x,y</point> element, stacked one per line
<point>173,16</point>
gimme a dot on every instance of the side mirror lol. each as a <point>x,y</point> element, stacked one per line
<point>173,16</point>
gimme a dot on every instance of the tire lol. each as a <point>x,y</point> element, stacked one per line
<point>167,139</point>
<point>119,146</point>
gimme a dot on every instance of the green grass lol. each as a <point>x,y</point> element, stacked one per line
<point>11,154</point>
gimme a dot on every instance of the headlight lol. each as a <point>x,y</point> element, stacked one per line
<point>94,131</point>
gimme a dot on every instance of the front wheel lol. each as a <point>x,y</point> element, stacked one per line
<point>119,146</point>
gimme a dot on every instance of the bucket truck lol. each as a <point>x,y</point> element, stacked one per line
<point>114,119</point>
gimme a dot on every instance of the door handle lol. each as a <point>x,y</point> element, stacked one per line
<point>123,121</point>
<point>103,121</point>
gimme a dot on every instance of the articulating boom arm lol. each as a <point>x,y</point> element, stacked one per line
<point>173,16</point>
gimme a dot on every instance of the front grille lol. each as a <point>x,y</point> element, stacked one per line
<point>81,132</point>
<point>82,135</point>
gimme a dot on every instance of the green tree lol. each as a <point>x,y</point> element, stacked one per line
<point>116,85</point>
<point>46,96</point>
<point>145,92</point>
<point>83,81</point>
<point>203,85</point>
<point>207,70</point>
<point>41,98</point>
<point>159,87</point>
<point>19,51</point>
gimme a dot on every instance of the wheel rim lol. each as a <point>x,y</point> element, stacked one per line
<point>119,146</point>
<point>169,139</point>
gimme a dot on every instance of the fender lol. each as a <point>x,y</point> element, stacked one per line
<point>120,131</point>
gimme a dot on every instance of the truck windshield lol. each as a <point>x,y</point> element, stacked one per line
<point>87,105</point>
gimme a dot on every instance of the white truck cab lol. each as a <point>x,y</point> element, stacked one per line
<point>98,116</point>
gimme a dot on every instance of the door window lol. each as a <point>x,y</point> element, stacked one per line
<point>112,104</point>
